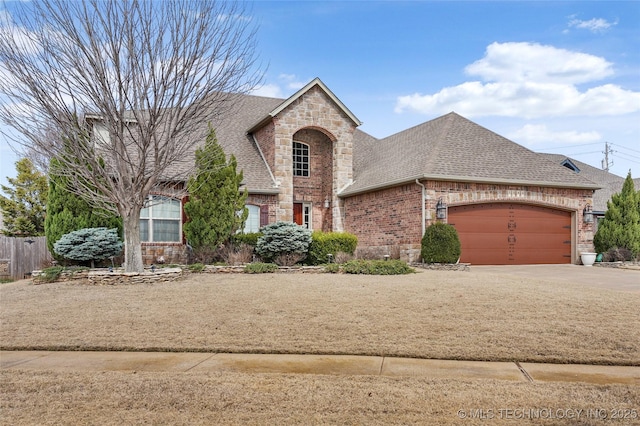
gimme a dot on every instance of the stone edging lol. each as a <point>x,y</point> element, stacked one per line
<point>443,266</point>
<point>105,277</point>
<point>618,265</point>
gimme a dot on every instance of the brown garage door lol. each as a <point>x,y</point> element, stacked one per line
<point>512,234</point>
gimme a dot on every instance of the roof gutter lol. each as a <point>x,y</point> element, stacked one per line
<point>396,182</point>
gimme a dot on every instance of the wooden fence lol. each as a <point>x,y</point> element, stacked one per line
<point>20,256</point>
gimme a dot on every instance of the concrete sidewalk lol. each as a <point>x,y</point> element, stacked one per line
<point>79,361</point>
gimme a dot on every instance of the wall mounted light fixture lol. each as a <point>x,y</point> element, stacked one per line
<point>587,214</point>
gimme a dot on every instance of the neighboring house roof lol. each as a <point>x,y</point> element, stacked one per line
<point>452,148</point>
<point>610,184</point>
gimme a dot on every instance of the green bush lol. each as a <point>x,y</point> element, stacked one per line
<point>89,244</point>
<point>440,244</point>
<point>196,267</point>
<point>620,228</point>
<point>260,268</point>
<point>332,268</point>
<point>284,243</point>
<point>250,239</point>
<point>51,274</point>
<point>324,243</point>
<point>377,267</point>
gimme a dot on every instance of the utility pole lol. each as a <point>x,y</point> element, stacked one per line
<point>605,163</point>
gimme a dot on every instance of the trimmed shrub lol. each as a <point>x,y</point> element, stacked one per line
<point>440,244</point>
<point>250,239</point>
<point>89,244</point>
<point>283,242</point>
<point>377,267</point>
<point>260,268</point>
<point>324,243</point>
<point>332,268</point>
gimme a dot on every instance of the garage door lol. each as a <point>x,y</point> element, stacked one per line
<point>512,234</point>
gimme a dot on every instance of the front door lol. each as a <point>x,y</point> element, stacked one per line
<point>302,214</point>
<point>297,213</point>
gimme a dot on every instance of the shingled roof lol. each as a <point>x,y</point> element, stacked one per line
<point>610,184</point>
<point>231,130</point>
<point>452,148</point>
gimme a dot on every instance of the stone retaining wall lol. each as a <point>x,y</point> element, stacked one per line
<point>211,269</point>
<point>104,277</point>
<point>443,266</point>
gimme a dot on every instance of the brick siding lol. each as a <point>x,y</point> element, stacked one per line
<point>318,186</point>
<point>390,218</point>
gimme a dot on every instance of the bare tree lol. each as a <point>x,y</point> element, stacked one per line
<point>127,87</point>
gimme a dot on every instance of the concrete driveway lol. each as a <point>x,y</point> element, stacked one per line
<point>594,276</point>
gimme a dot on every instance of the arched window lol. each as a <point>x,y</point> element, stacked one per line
<point>161,220</point>
<point>300,159</point>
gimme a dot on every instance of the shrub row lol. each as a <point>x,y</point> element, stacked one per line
<point>371,267</point>
<point>325,243</point>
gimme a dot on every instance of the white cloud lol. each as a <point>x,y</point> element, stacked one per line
<point>595,25</point>
<point>269,91</point>
<point>287,84</point>
<point>532,134</point>
<point>528,80</point>
<point>539,63</point>
<point>292,81</point>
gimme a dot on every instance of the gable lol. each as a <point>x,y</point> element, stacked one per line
<point>316,85</point>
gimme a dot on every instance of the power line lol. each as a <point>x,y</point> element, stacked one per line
<point>627,159</point>
<point>582,153</point>
<point>624,147</point>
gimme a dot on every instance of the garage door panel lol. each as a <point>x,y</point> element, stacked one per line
<point>511,233</point>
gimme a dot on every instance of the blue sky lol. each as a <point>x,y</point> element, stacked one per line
<point>560,77</point>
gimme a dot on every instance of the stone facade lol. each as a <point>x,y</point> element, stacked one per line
<point>316,111</point>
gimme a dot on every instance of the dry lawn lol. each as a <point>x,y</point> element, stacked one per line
<point>114,398</point>
<point>430,314</point>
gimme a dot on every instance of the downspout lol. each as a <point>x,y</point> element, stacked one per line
<point>424,214</point>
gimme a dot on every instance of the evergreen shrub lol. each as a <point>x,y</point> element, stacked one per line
<point>324,243</point>
<point>283,243</point>
<point>377,267</point>
<point>260,268</point>
<point>620,228</point>
<point>89,244</point>
<point>440,244</point>
<point>250,238</point>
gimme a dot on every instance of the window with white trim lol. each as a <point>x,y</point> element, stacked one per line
<point>300,159</point>
<point>253,220</point>
<point>161,220</point>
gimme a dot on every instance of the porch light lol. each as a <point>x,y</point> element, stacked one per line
<point>441,210</point>
<point>587,214</point>
<point>327,203</point>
